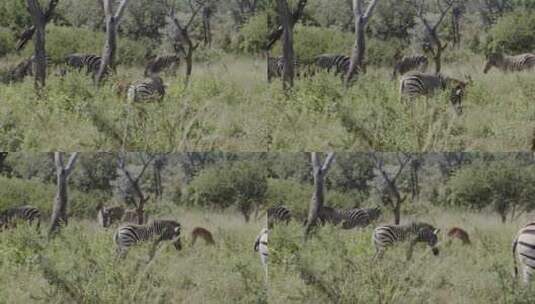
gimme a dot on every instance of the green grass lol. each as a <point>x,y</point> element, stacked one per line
<point>341,264</point>
<point>80,265</point>
<point>230,106</point>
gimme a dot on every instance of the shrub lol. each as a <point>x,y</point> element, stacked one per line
<point>7,41</point>
<point>514,33</point>
<point>252,35</point>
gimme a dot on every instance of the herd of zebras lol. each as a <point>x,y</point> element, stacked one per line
<point>413,84</point>
<point>385,236</point>
<point>149,88</point>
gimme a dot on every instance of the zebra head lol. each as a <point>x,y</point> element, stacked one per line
<point>104,216</point>
<point>457,94</point>
<point>173,232</point>
<point>493,59</point>
<point>433,241</point>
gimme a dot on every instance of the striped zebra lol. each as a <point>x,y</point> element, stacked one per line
<point>359,217</point>
<point>275,68</point>
<point>510,63</point>
<point>409,63</point>
<point>10,216</point>
<point>261,246</point>
<point>90,62</point>
<point>160,63</point>
<point>157,231</point>
<point>418,84</point>
<point>278,214</point>
<point>524,252</point>
<point>106,216</point>
<point>151,88</point>
<point>388,235</point>
<point>338,63</point>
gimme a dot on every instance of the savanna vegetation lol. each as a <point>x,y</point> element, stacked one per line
<point>227,104</point>
<point>488,195</point>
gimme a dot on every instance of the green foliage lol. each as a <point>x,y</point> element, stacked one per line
<point>14,15</point>
<point>252,35</point>
<point>393,19</point>
<point>513,33</point>
<point>503,186</point>
<point>290,193</point>
<point>7,41</point>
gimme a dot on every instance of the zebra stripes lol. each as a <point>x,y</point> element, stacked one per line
<point>261,246</point>
<point>415,84</point>
<point>510,63</point>
<point>338,63</point>
<point>160,63</point>
<point>278,214</point>
<point>10,216</point>
<point>390,235</point>
<point>359,217</point>
<point>275,68</point>
<point>147,89</point>
<point>108,215</point>
<point>524,252</point>
<point>159,230</point>
<point>409,63</point>
<point>88,61</point>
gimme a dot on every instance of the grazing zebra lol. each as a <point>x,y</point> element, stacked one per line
<point>108,215</point>
<point>415,84</point>
<point>338,63</point>
<point>458,233</point>
<point>510,63</point>
<point>359,217</point>
<point>159,230</point>
<point>202,233</point>
<point>261,246</point>
<point>88,61</point>
<point>524,252</point>
<point>151,88</point>
<point>10,216</point>
<point>278,214</point>
<point>275,68</point>
<point>409,63</point>
<point>388,235</point>
<point>160,63</point>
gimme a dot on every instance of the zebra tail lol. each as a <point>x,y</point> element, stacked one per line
<point>515,266</point>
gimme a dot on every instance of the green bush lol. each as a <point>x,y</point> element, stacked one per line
<point>7,41</point>
<point>513,33</point>
<point>252,35</point>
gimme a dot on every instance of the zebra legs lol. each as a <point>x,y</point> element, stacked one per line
<point>526,275</point>
<point>378,254</point>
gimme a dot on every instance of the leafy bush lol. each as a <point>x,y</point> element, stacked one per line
<point>7,41</point>
<point>252,35</point>
<point>513,33</point>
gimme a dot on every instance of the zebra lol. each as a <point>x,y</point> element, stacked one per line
<point>275,68</point>
<point>159,63</point>
<point>147,89</point>
<point>26,67</point>
<point>278,214</point>
<point>524,252</point>
<point>409,63</point>
<point>108,215</point>
<point>388,235</point>
<point>415,84</point>
<point>510,63</point>
<point>359,217</point>
<point>158,230</point>
<point>88,61</point>
<point>8,217</point>
<point>261,246</point>
<point>338,63</point>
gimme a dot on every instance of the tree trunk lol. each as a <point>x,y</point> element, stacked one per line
<point>189,63</point>
<point>397,212</point>
<point>207,31</point>
<point>108,53</point>
<point>287,45</point>
<point>39,22</point>
<point>59,213</point>
<point>357,56</point>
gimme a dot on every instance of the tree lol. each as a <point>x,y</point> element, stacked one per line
<point>39,20</point>
<point>207,13</point>
<point>390,193</point>
<point>359,49</point>
<point>287,44</point>
<point>110,46</point>
<point>134,182</point>
<point>59,213</point>
<point>181,36</point>
<point>436,45</point>
<point>319,172</point>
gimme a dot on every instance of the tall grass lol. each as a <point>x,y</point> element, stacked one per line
<point>80,266</point>
<point>336,265</point>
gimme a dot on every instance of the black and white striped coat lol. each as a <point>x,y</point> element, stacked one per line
<point>275,68</point>
<point>88,61</point>
<point>261,246</point>
<point>421,84</point>
<point>151,88</point>
<point>359,217</point>
<point>157,231</point>
<point>524,252</point>
<point>390,235</point>
<point>278,214</point>
<point>10,216</point>
<point>163,62</point>
<point>510,63</point>
<point>333,62</point>
<point>410,63</point>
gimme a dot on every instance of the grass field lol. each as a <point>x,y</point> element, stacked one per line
<point>337,265</point>
<point>230,106</point>
<point>80,266</point>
